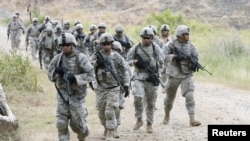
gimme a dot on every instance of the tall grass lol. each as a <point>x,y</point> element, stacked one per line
<point>17,72</point>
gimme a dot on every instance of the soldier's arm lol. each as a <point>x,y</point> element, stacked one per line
<point>87,69</point>
<point>123,69</point>
<point>51,70</point>
<point>130,56</point>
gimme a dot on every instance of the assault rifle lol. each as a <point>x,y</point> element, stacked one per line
<point>190,59</point>
<point>153,76</point>
<point>65,74</point>
<point>109,68</point>
<point>40,59</point>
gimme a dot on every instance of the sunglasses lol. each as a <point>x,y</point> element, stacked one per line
<point>146,38</point>
<point>65,45</point>
<point>186,34</point>
<point>106,43</point>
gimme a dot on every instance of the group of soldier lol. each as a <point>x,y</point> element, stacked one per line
<point>105,62</point>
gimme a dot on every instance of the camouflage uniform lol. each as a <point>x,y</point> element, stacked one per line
<point>71,108</point>
<point>125,41</point>
<point>15,28</point>
<point>180,74</point>
<point>48,47</point>
<point>89,40</point>
<point>32,38</point>
<point>97,35</point>
<point>142,89</point>
<point>117,46</point>
<point>66,27</point>
<point>8,121</point>
<point>80,36</point>
<point>165,38</point>
<point>107,89</point>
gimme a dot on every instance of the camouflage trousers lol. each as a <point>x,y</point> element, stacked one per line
<point>107,104</point>
<point>33,46</point>
<point>145,95</point>
<point>15,38</point>
<point>187,89</point>
<point>73,114</point>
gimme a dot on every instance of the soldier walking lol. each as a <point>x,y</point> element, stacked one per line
<point>180,73</point>
<point>146,55</point>
<point>110,72</point>
<point>71,71</point>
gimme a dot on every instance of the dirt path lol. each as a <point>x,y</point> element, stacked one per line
<point>215,104</point>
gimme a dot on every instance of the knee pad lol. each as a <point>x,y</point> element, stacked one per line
<point>137,101</point>
<point>189,97</point>
<point>109,113</point>
<point>62,124</point>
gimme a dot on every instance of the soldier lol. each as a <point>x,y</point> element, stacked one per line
<point>157,41</point>
<point>8,121</point>
<point>165,33</point>
<point>75,68</point>
<point>66,27</point>
<point>145,84</point>
<point>165,37</point>
<point>125,41</point>
<point>32,38</point>
<point>80,35</point>
<point>97,35</point>
<point>180,72</point>
<point>42,27</point>
<point>47,47</point>
<point>75,26</point>
<point>58,33</point>
<point>15,28</point>
<point>89,39</point>
<point>109,79</point>
<point>116,46</point>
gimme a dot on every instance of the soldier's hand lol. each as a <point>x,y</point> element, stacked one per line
<point>59,70</point>
<point>139,64</point>
<point>126,89</point>
<point>100,63</point>
<point>71,78</point>
<point>23,32</point>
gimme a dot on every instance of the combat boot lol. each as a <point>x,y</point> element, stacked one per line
<point>115,133</point>
<point>194,122</point>
<point>149,128</point>
<point>138,124</point>
<point>166,118</point>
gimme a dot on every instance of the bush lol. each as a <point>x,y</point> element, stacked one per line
<point>17,73</point>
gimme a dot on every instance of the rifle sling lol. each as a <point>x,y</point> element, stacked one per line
<point>60,94</point>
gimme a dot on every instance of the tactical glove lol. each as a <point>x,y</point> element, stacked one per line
<point>139,65</point>
<point>195,66</point>
<point>100,63</point>
<point>59,70</point>
<point>126,91</point>
<point>181,57</point>
<point>71,78</point>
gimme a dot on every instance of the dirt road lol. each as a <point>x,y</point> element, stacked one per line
<point>215,104</point>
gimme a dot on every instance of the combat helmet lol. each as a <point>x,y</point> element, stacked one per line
<point>117,45</point>
<point>106,37</point>
<point>181,29</point>
<point>66,38</point>
<point>79,26</point>
<point>147,31</point>
<point>92,27</point>
<point>102,25</point>
<point>165,27</point>
<point>119,28</point>
<point>154,28</point>
<point>34,20</point>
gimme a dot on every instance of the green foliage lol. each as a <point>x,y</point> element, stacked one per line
<point>166,17</point>
<point>17,73</point>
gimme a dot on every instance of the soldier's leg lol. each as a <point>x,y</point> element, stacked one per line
<point>62,127</point>
<point>187,89</point>
<point>101,115</point>
<point>18,39</point>
<point>172,85</point>
<point>111,122</point>
<point>78,121</point>
<point>139,93</point>
<point>13,41</point>
<point>150,99</point>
